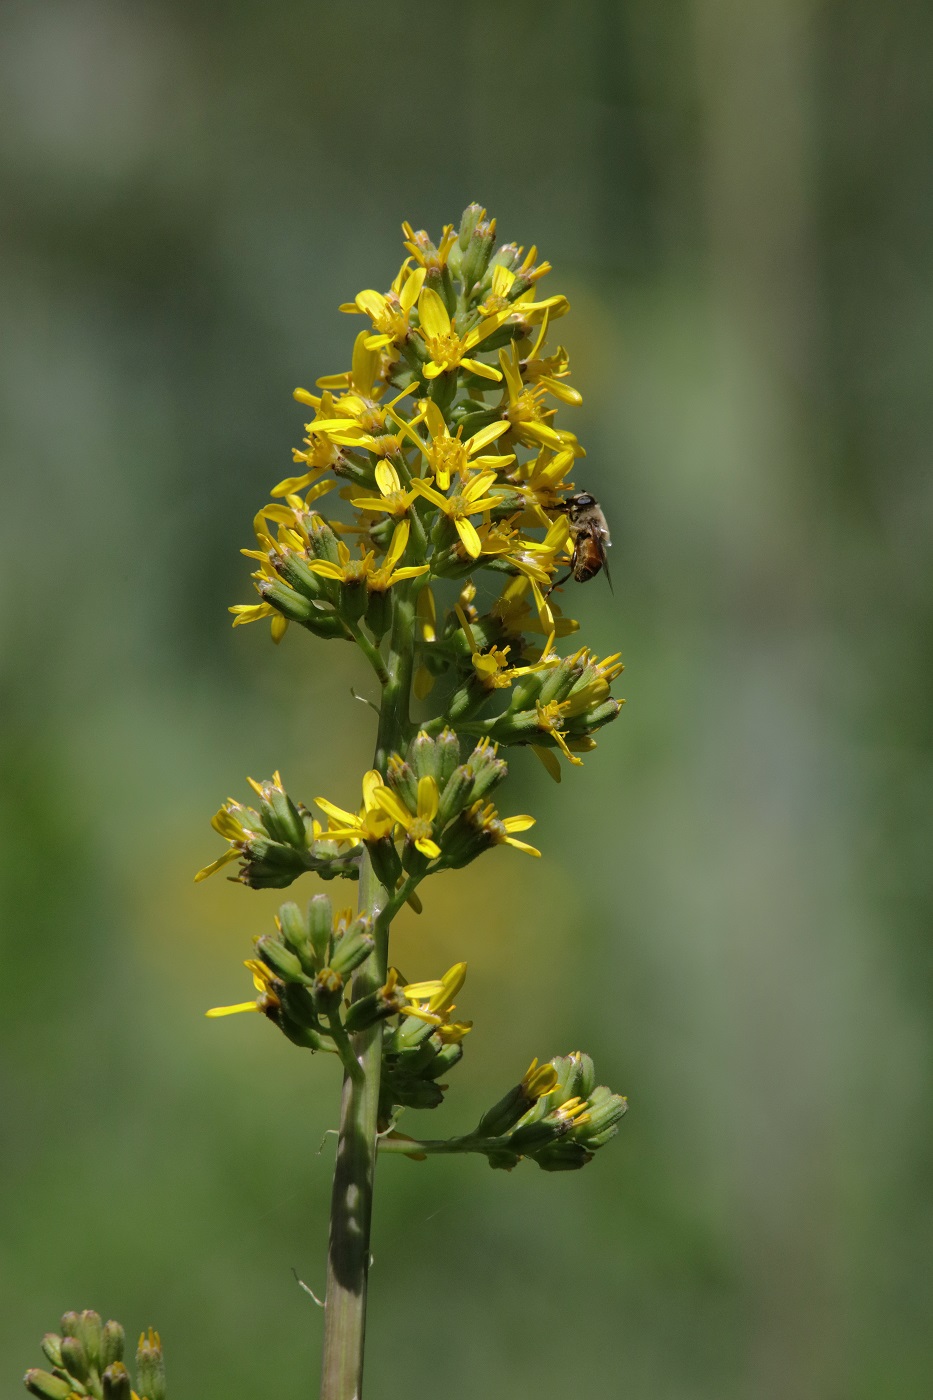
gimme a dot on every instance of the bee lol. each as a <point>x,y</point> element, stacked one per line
<point>590,535</point>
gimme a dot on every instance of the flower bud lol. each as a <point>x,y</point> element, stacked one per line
<point>150,1366</point>
<point>468,221</point>
<point>401,777</point>
<point>289,603</point>
<point>487,769</point>
<point>536,1081</point>
<point>447,746</point>
<point>457,793</point>
<point>566,1155</point>
<point>69,1324</point>
<point>423,757</point>
<point>376,1006</point>
<point>328,989</point>
<point>294,927</point>
<point>322,540</point>
<point>113,1342</point>
<point>477,253</point>
<point>386,861</point>
<point>297,574</point>
<point>46,1386</point>
<point>52,1346</point>
<point>275,955</point>
<point>320,925</point>
<point>116,1382</point>
<point>353,948</point>
<point>75,1358</point>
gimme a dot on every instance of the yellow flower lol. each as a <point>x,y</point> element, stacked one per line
<point>370,823</point>
<point>438,1002</point>
<point>522,408</point>
<point>418,825</point>
<point>390,314</point>
<point>469,500</point>
<point>446,348</point>
<point>551,717</point>
<point>265,984</point>
<point>448,456</point>
<point>499,829</point>
<point>538,1080</point>
<point>420,246</point>
<point>364,570</point>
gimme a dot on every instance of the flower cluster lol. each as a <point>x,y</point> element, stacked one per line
<point>556,1115</point>
<point>87,1360</point>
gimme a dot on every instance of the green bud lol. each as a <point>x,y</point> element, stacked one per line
<point>584,1075</point>
<point>353,948</point>
<point>477,253</point>
<point>594,718</point>
<point>150,1367</point>
<point>323,541</point>
<point>116,1382</point>
<point>411,1091</point>
<point>294,928</point>
<point>559,681</point>
<point>501,1159</point>
<point>379,613</point>
<point>296,573</point>
<point>376,1006</point>
<point>487,769</point>
<point>320,924</point>
<point>353,600</point>
<point>606,1110</point>
<point>503,1115</point>
<point>532,1137</point>
<point>423,757</point>
<point>328,989</point>
<point>52,1346</point>
<point>113,1342</point>
<point>386,862</point>
<point>75,1358</point>
<point>275,955</point>
<point>563,1156</point>
<point>281,817</point>
<point>47,1386</point>
<point>401,777</point>
<point>69,1324</point>
<point>508,255</point>
<point>289,603</point>
<point>91,1331</point>
<point>457,793</point>
<point>462,842</point>
<point>445,1059</point>
<point>447,746</point>
<point>468,221</point>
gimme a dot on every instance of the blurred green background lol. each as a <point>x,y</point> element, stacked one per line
<point>733,912</point>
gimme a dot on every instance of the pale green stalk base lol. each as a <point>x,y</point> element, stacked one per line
<point>351,1202</point>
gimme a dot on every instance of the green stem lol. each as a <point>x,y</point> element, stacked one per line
<point>370,651</point>
<point>351,1201</point>
<point>438,1146</point>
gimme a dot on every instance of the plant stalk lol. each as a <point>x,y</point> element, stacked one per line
<point>351,1201</point>
<point>354,1172</point>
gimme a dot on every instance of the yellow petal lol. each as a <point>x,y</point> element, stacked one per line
<point>549,760</point>
<point>413,284</point>
<point>216,865</point>
<point>337,813</point>
<point>428,798</point>
<point>433,313</point>
<point>484,371</point>
<point>428,848</point>
<point>386,799</point>
<point>232,1010</point>
<point>387,478</point>
<point>485,436</point>
<point>469,538</point>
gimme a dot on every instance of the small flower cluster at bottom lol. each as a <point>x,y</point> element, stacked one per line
<point>557,1115</point>
<point>87,1360</point>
